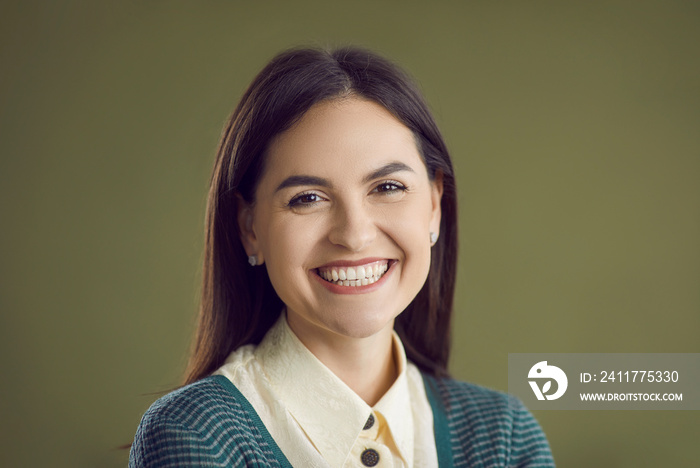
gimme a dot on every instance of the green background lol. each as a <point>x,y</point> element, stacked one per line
<point>574,128</point>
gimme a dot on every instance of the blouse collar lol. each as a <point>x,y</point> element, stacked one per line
<point>328,411</point>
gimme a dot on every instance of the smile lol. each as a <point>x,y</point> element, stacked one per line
<point>360,275</point>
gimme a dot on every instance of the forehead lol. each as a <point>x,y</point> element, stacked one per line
<point>342,137</point>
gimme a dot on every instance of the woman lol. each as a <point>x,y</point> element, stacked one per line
<point>329,273</point>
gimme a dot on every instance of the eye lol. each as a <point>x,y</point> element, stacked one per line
<point>304,199</point>
<point>389,187</point>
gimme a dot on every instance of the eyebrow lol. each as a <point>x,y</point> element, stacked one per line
<point>386,170</point>
<point>299,180</point>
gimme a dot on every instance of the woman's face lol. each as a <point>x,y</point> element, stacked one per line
<point>342,219</point>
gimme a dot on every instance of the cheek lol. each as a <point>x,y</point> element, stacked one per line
<point>287,245</point>
<point>409,227</point>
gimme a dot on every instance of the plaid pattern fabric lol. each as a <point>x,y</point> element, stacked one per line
<point>478,427</point>
<point>210,424</point>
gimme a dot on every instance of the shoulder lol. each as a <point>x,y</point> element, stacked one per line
<point>198,405</point>
<point>474,400</point>
<point>207,423</point>
<point>485,424</point>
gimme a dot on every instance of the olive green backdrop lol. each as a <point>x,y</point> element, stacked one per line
<point>574,128</point>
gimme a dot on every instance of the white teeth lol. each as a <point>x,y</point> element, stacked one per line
<point>361,275</point>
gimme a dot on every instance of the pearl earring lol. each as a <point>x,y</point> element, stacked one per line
<point>253,260</point>
<point>433,238</point>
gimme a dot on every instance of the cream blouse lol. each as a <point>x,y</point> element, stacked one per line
<point>318,421</point>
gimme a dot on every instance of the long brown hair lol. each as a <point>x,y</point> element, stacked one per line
<point>239,304</point>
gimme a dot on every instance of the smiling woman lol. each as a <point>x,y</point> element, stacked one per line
<point>329,272</point>
<point>353,207</point>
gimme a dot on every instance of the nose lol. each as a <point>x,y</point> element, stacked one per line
<point>353,227</point>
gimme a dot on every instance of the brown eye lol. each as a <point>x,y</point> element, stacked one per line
<point>389,187</point>
<point>305,199</point>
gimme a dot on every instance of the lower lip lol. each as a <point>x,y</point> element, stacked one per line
<point>340,289</point>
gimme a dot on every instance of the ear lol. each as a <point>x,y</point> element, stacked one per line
<point>245,228</point>
<point>436,198</point>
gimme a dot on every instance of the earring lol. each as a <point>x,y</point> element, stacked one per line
<point>253,260</point>
<point>433,238</point>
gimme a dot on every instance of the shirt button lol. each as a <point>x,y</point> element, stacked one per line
<point>369,424</point>
<point>370,457</point>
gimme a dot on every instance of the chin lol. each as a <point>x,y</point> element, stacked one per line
<point>362,326</point>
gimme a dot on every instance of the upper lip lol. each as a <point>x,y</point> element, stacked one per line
<point>353,263</point>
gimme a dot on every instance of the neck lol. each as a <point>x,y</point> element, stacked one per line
<point>366,365</point>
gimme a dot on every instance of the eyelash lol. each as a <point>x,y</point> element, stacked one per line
<point>397,186</point>
<point>387,187</point>
<point>297,200</point>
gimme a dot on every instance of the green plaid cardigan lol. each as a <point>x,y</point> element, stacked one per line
<point>210,423</point>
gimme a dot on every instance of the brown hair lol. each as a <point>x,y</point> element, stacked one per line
<point>239,304</point>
